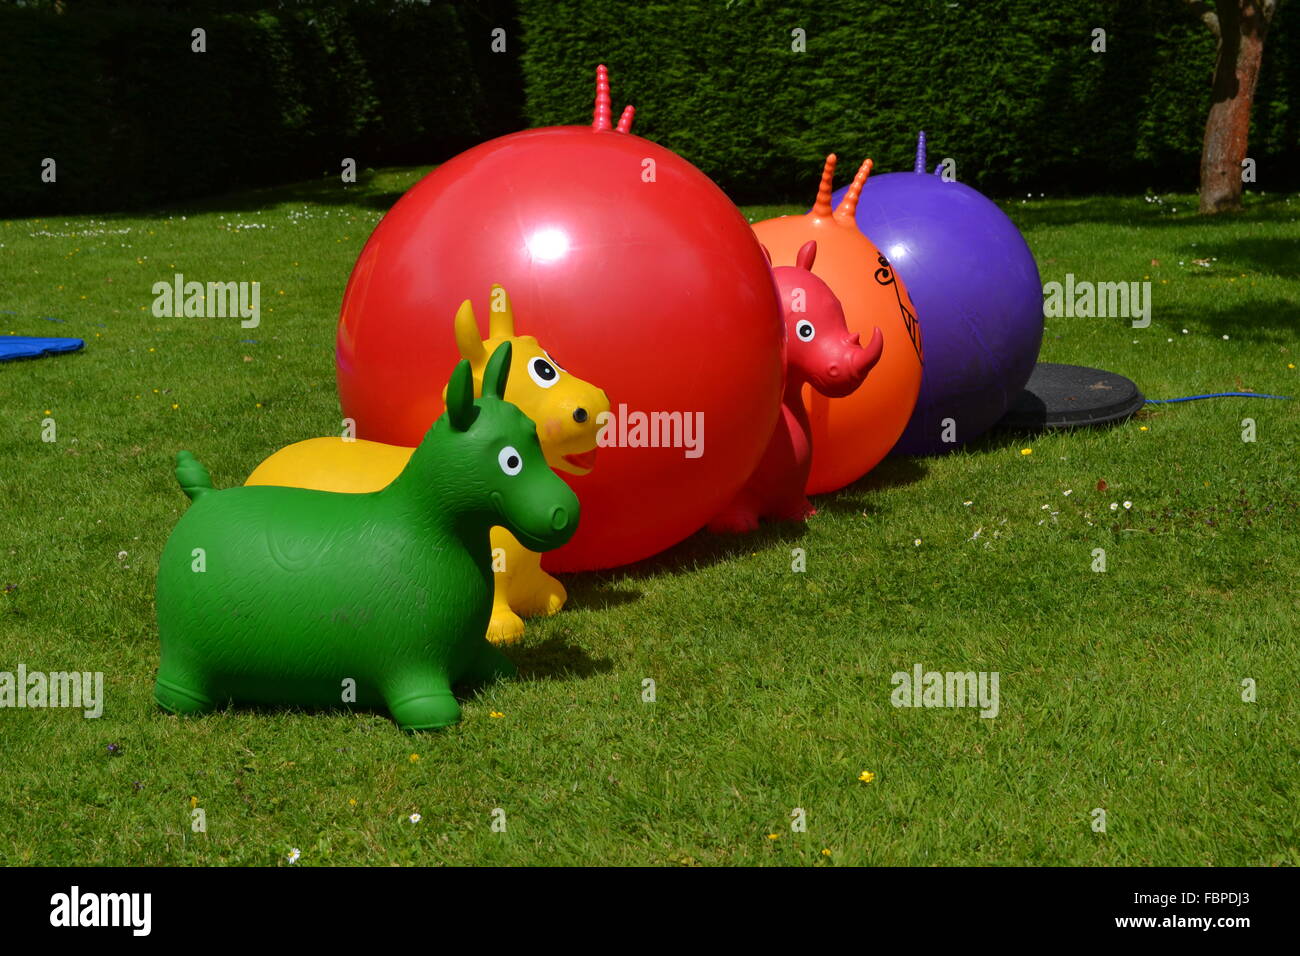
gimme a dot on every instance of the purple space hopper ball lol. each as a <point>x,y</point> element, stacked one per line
<point>977,294</point>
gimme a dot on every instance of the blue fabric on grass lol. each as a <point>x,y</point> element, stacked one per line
<point>22,346</point>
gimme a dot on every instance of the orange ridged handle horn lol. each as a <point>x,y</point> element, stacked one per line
<point>823,205</point>
<point>849,204</point>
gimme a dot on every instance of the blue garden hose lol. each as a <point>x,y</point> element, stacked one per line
<point>1192,398</point>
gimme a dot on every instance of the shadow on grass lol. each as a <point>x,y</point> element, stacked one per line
<point>1000,438</point>
<point>462,692</point>
<point>553,659</point>
<point>1272,256</point>
<point>374,189</point>
<point>1259,320</point>
<point>556,659</point>
<point>701,550</point>
<point>1135,211</point>
<point>856,498</point>
<point>597,589</point>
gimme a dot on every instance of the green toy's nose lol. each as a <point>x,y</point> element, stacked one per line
<point>559,517</point>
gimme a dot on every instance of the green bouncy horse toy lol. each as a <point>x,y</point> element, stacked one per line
<point>271,595</point>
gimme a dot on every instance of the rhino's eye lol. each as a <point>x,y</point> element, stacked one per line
<point>509,460</point>
<point>543,372</point>
<point>805,331</point>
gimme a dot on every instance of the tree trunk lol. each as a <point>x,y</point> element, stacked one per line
<point>1240,26</point>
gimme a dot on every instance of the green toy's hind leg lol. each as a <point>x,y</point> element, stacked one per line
<point>181,692</point>
<point>489,665</point>
<point>422,701</point>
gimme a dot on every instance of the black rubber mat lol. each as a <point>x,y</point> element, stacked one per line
<point>1072,396</point>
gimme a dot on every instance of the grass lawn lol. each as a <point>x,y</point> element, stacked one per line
<point>1119,690</point>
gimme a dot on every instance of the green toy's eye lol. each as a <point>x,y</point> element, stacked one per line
<point>510,461</point>
<point>805,331</point>
<point>543,372</point>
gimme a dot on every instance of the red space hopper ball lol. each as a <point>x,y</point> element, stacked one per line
<point>631,268</point>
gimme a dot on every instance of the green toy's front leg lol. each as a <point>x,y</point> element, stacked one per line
<point>181,690</point>
<point>421,700</point>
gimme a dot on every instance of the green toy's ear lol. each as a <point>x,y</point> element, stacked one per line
<point>497,371</point>
<point>460,397</point>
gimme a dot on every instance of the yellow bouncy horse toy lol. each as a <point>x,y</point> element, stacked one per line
<point>565,409</point>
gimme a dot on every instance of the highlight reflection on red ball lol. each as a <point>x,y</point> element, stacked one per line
<point>631,268</point>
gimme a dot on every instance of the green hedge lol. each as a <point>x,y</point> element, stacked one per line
<point>1009,88</point>
<point>132,117</point>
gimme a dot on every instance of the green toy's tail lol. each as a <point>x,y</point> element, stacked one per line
<point>193,477</point>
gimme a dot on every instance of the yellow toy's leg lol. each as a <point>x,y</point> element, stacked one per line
<point>521,588</point>
<point>530,591</point>
<point>505,626</point>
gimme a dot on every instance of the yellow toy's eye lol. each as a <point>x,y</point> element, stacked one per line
<point>805,331</point>
<point>543,372</point>
<point>510,461</point>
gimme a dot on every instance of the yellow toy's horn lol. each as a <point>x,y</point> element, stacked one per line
<point>467,335</point>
